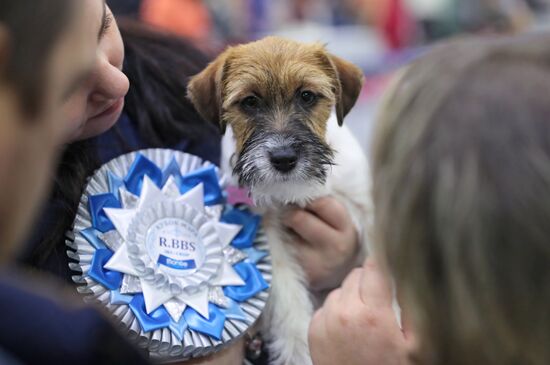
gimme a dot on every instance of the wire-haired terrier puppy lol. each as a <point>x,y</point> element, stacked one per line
<point>275,97</point>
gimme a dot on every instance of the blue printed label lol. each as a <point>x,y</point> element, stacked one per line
<point>177,264</point>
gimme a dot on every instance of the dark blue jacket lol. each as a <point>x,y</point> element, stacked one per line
<point>41,324</point>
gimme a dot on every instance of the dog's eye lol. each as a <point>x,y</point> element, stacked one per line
<point>250,103</point>
<point>308,97</point>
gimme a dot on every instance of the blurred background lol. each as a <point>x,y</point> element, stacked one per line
<point>377,35</point>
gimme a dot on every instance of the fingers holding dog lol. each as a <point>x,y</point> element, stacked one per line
<point>326,241</point>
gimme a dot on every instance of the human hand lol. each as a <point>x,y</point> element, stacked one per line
<point>357,326</point>
<point>326,241</point>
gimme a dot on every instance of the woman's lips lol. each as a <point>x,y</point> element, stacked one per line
<point>111,109</point>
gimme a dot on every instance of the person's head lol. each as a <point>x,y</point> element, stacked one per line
<point>95,104</point>
<point>461,186</point>
<point>44,47</point>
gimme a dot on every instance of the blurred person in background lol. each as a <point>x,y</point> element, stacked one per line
<point>405,23</point>
<point>443,18</point>
<point>461,183</point>
<point>391,18</point>
<point>40,324</point>
<point>186,18</point>
<point>129,8</point>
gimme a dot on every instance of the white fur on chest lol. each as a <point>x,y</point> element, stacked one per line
<point>288,313</point>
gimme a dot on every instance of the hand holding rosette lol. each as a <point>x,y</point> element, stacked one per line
<point>154,243</point>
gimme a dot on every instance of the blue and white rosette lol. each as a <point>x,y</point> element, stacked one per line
<point>153,241</point>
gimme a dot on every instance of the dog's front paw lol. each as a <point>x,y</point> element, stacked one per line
<point>290,353</point>
<point>288,343</point>
<point>300,356</point>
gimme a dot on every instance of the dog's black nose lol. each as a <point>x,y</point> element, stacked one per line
<point>283,159</point>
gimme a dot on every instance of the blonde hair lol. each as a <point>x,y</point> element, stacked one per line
<point>461,184</point>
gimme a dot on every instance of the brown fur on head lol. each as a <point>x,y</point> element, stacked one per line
<point>279,93</point>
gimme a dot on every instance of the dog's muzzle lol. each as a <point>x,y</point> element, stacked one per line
<point>296,156</point>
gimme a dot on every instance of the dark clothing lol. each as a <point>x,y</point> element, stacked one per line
<point>125,137</point>
<point>39,329</point>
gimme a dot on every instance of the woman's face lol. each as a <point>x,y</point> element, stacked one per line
<point>95,105</point>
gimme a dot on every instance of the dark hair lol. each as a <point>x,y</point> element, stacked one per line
<point>33,27</point>
<point>158,66</point>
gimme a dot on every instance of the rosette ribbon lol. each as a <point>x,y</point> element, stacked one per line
<point>164,245</point>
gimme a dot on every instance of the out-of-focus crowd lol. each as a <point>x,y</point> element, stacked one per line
<point>401,23</point>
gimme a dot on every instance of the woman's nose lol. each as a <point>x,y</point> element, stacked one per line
<point>111,83</point>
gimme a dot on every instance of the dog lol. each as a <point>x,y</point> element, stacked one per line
<point>281,105</point>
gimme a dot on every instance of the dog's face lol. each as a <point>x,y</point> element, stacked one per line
<point>277,96</point>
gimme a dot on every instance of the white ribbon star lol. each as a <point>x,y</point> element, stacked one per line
<point>155,296</point>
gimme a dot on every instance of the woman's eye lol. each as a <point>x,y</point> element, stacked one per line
<point>308,98</point>
<point>250,103</point>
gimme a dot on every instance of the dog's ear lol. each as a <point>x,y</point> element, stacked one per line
<point>205,92</point>
<point>350,82</point>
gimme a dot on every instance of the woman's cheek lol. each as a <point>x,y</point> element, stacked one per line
<point>74,118</point>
